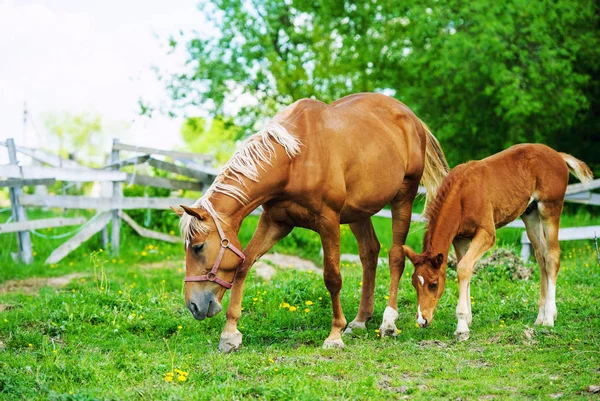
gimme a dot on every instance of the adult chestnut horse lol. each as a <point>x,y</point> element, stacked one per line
<point>476,198</point>
<point>314,166</point>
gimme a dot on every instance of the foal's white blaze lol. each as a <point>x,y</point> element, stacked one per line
<point>420,319</point>
<point>421,280</point>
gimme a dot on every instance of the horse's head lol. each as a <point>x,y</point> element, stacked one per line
<point>429,279</point>
<point>211,261</point>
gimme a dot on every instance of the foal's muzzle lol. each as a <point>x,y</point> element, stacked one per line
<point>203,305</point>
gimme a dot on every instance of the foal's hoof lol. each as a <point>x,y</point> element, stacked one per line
<point>329,344</point>
<point>548,322</point>
<point>461,336</point>
<point>388,325</point>
<point>230,342</point>
<point>354,325</point>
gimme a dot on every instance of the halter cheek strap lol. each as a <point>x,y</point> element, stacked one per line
<point>212,275</point>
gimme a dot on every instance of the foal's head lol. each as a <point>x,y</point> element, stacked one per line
<point>202,247</point>
<point>429,279</point>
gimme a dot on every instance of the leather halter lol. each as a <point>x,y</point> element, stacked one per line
<point>212,275</point>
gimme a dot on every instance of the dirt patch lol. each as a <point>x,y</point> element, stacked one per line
<point>511,261</point>
<point>32,285</point>
<point>291,262</point>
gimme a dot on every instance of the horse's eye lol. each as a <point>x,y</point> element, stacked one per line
<point>433,286</point>
<point>198,248</point>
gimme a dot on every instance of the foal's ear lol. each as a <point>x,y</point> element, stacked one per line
<point>408,252</point>
<point>178,211</point>
<point>437,261</point>
<point>197,212</point>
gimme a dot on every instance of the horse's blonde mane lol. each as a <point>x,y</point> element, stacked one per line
<point>255,153</point>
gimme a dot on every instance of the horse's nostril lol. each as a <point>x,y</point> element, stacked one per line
<point>193,308</point>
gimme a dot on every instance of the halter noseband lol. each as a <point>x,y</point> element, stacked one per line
<point>212,275</point>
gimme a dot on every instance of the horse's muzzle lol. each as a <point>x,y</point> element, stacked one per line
<point>204,305</point>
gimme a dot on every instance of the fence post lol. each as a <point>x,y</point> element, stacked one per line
<point>18,211</point>
<point>117,193</point>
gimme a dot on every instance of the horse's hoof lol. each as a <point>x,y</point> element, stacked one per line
<point>230,342</point>
<point>329,344</point>
<point>538,321</point>
<point>548,322</point>
<point>461,336</point>
<point>354,325</point>
<point>388,326</point>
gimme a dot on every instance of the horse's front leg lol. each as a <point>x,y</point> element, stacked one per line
<point>329,231</point>
<point>482,241</point>
<point>267,233</point>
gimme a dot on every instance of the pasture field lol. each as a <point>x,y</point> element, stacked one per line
<point>119,329</point>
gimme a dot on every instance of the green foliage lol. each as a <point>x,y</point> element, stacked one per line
<point>483,74</point>
<point>77,135</point>
<point>218,140</point>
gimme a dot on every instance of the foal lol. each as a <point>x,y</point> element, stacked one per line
<point>474,200</point>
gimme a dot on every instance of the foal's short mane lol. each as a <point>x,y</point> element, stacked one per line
<point>433,209</point>
<point>257,152</point>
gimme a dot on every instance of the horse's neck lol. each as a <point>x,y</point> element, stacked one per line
<point>232,211</point>
<point>442,231</point>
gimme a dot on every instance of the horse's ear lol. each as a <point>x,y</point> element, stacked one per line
<point>178,211</point>
<point>437,261</point>
<point>197,212</point>
<point>409,253</point>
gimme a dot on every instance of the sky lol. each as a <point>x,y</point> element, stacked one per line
<point>90,56</point>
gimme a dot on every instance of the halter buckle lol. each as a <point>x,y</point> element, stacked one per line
<point>211,276</point>
<point>224,242</point>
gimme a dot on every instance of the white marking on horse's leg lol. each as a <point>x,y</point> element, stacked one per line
<point>388,326</point>
<point>337,343</point>
<point>421,280</point>
<point>420,319</point>
<point>470,314</point>
<point>230,342</point>
<point>550,311</point>
<point>354,325</point>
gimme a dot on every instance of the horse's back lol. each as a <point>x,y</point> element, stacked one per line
<point>359,149</point>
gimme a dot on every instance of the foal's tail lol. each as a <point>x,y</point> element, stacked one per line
<point>436,167</point>
<point>578,168</point>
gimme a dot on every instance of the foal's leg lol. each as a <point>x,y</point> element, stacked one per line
<point>461,246</point>
<point>533,224</point>
<point>550,215</point>
<point>368,249</point>
<point>401,215</point>
<point>329,230</point>
<point>482,241</point>
<point>266,235</point>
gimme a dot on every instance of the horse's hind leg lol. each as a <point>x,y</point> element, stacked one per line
<point>533,224</point>
<point>550,216</point>
<point>368,249</point>
<point>401,216</point>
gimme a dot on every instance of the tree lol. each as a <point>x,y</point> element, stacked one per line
<point>77,136</point>
<point>219,140</point>
<point>482,74</point>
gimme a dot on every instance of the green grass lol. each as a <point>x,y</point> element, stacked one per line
<point>116,332</point>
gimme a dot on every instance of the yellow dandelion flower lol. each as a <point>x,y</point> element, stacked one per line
<point>30,345</point>
<point>320,298</point>
<point>387,297</point>
<point>360,283</point>
<point>100,250</point>
<point>179,270</point>
<point>171,232</point>
<point>169,378</point>
<point>255,299</point>
<point>5,320</point>
<point>144,253</point>
<point>399,331</point>
<point>416,324</point>
<point>181,378</point>
<point>276,370</point>
<point>120,292</point>
<point>271,360</point>
<point>179,327</point>
<point>292,309</point>
<point>309,303</point>
<point>54,351</point>
<point>310,272</point>
<point>306,310</point>
<point>376,330</point>
<point>284,305</point>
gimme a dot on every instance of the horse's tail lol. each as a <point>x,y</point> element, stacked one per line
<point>578,168</point>
<point>436,167</point>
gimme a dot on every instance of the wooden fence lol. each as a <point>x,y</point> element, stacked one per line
<point>195,167</point>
